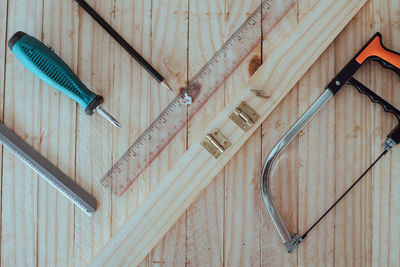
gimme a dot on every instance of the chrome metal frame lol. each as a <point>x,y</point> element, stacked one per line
<point>289,241</point>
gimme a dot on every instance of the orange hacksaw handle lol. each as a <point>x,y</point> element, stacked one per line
<point>375,49</point>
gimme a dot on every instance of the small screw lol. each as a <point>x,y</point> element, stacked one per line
<point>186,100</point>
<point>259,93</point>
<point>338,83</point>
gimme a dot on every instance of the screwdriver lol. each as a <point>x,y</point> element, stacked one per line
<point>44,63</point>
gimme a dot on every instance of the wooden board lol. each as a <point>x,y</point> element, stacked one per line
<point>3,34</point>
<point>170,31</point>
<point>181,186</point>
<point>227,225</point>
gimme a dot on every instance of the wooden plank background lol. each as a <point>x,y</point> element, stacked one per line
<point>228,224</point>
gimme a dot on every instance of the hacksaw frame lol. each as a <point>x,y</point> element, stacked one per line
<point>182,185</point>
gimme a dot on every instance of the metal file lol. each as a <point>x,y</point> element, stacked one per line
<point>47,170</point>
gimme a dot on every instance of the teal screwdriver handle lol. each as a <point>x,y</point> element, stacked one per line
<point>44,63</point>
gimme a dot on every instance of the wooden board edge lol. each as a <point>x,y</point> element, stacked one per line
<point>182,185</point>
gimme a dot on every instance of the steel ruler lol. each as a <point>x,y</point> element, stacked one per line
<point>203,85</point>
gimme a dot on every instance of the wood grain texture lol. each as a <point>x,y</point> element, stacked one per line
<point>3,47</point>
<point>271,131</point>
<point>316,141</point>
<point>130,96</point>
<point>362,214</point>
<point>20,184</point>
<point>182,185</point>
<point>205,218</point>
<point>227,224</point>
<point>170,57</point>
<point>57,121</point>
<point>242,198</point>
<point>94,134</point>
<point>3,34</point>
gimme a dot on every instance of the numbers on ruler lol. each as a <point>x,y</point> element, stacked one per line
<point>202,86</point>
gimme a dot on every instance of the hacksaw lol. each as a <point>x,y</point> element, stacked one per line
<point>201,88</point>
<point>197,167</point>
<point>373,50</point>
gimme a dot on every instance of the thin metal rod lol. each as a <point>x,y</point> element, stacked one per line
<point>265,178</point>
<point>108,116</point>
<point>344,194</point>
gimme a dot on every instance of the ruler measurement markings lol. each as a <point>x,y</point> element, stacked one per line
<point>200,87</point>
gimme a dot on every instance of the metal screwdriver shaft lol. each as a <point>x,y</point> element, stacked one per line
<point>44,63</point>
<point>108,116</point>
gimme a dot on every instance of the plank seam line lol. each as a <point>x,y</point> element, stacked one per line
<point>2,148</point>
<point>224,175</point>
<point>187,118</point>
<point>38,178</point>
<point>150,256</point>
<point>78,55</point>
<point>298,149</point>
<point>261,143</point>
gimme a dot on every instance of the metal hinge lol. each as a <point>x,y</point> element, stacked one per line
<point>244,116</point>
<point>215,143</point>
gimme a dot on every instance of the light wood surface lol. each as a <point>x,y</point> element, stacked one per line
<point>227,224</point>
<point>175,193</point>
